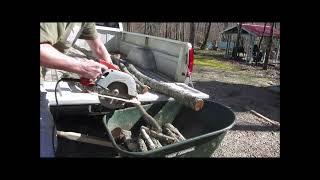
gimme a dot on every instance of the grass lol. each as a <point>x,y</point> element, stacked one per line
<point>213,62</point>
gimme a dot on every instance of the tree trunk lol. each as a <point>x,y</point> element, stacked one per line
<point>264,28</point>
<point>235,53</point>
<point>225,26</point>
<point>128,27</point>
<point>265,65</point>
<point>166,34</point>
<point>177,31</point>
<point>206,37</point>
<point>145,28</point>
<point>182,31</point>
<point>186,99</point>
<point>191,37</point>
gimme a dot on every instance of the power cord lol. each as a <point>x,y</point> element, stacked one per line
<point>58,107</point>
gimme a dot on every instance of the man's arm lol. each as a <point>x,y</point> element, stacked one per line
<point>52,58</point>
<point>99,49</point>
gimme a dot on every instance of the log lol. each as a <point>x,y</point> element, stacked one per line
<point>147,139</point>
<point>181,97</point>
<point>156,142</point>
<point>170,133</point>
<point>132,145</point>
<point>120,135</point>
<point>144,88</point>
<point>174,130</point>
<point>160,136</point>
<point>265,118</point>
<point>142,145</point>
<point>149,119</point>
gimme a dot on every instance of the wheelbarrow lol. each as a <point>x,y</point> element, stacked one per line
<point>204,130</point>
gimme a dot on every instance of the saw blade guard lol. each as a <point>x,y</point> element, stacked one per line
<point>110,76</point>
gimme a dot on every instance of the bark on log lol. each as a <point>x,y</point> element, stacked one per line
<point>149,119</point>
<point>120,135</point>
<point>142,145</point>
<point>144,88</point>
<point>170,133</point>
<point>156,142</point>
<point>159,136</point>
<point>123,137</point>
<point>174,130</point>
<point>147,139</point>
<point>132,145</point>
<point>186,99</point>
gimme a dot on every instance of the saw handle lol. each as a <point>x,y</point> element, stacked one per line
<point>90,82</point>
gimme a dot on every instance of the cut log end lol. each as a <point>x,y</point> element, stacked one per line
<point>198,104</point>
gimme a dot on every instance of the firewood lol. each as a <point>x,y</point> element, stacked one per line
<point>149,119</point>
<point>120,135</point>
<point>132,145</point>
<point>147,139</point>
<point>123,139</point>
<point>156,142</point>
<point>181,97</point>
<point>159,136</point>
<point>144,88</point>
<point>142,145</point>
<point>170,133</point>
<point>174,130</point>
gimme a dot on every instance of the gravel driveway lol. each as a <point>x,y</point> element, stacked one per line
<point>251,136</point>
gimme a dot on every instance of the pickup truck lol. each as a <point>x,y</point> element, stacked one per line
<point>160,58</point>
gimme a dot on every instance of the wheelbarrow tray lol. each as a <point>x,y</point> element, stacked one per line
<point>204,130</point>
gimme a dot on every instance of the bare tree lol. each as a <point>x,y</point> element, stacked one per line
<point>166,34</point>
<point>235,52</point>
<point>145,28</point>
<point>182,31</point>
<point>191,37</point>
<point>225,25</point>
<point>265,65</point>
<point>206,37</point>
<point>128,27</point>
<point>177,32</point>
<point>264,28</point>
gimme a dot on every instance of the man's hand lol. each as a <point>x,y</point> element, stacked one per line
<point>91,69</point>
<point>52,58</point>
<point>99,50</point>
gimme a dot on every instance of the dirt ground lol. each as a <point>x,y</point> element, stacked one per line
<point>248,89</point>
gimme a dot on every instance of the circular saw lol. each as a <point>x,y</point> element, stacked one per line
<point>113,87</point>
<point>116,84</point>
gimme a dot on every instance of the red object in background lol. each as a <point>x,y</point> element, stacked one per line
<point>90,82</point>
<point>257,29</point>
<point>191,61</point>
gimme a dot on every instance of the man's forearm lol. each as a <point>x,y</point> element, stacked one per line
<point>99,49</point>
<point>52,58</point>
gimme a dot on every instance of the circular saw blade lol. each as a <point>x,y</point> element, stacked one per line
<point>115,89</point>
